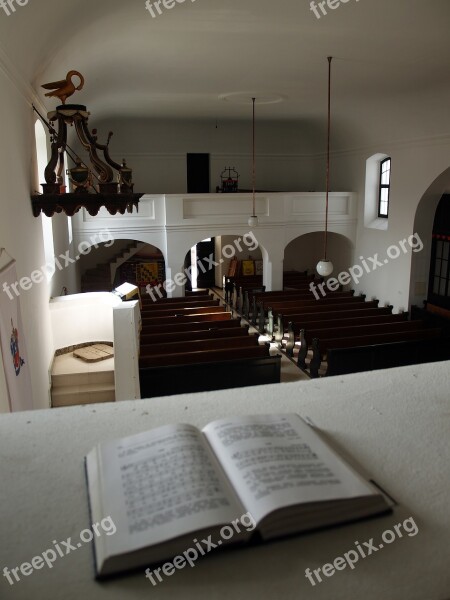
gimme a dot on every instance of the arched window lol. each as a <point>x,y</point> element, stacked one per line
<point>439,285</point>
<point>384,188</point>
<point>373,217</point>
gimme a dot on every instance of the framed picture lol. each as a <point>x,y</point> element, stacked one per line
<point>248,267</point>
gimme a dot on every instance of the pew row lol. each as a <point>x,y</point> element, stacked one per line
<point>208,370</point>
<point>341,361</point>
<point>302,320</point>
<point>321,347</point>
<point>177,306</point>
<point>198,345</point>
<point>190,318</point>
<point>189,326</point>
<point>307,336</point>
<point>147,300</point>
<point>193,334</point>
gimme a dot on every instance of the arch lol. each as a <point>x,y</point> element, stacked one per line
<point>423,227</point>
<point>97,253</point>
<point>225,246</point>
<point>304,252</point>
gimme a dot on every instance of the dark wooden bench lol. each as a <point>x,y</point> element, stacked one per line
<point>292,305</point>
<point>307,336</point>
<point>196,345</point>
<point>354,330</point>
<point>254,306</point>
<point>175,308</point>
<point>300,296</point>
<point>148,301</point>
<point>194,334</point>
<point>294,329</point>
<point>300,321</point>
<point>341,361</point>
<point>189,326</point>
<point>355,321</point>
<point>167,312</point>
<point>220,369</point>
<point>191,318</point>
<point>322,346</point>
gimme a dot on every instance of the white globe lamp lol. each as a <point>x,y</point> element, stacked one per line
<point>324,267</point>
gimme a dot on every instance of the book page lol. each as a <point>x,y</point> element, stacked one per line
<point>275,461</point>
<point>162,484</point>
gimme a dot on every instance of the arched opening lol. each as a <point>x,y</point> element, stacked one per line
<point>424,221</point>
<point>209,261</point>
<point>304,252</point>
<point>107,265</point>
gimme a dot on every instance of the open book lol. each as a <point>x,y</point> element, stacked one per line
<point>261,476</point>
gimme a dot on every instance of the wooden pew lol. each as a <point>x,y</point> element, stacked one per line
<point>307,336</point>
<point>308,316</point>
<point>294,293</point>
<point>208,370</point>
<point>213,308</point>
<point>291,305</point>
<point>148,301</point>
<point>300,321</point>
<point>189,326</point>
<point>355,330</point>
<point>325,323</point>
<point>197,345</point>
<point>191,318</point>
<point>301,296</point>
<point>322,346</point>
<point>175,308</point>
<point>194,334</point>
<point>294,329</point>
<point>341,361</point>
<point>255,304</point>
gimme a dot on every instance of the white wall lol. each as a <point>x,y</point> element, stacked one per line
<point>21,233</point>
<point>156,151</point>
<point>83,318</point>
<point>416,164</point>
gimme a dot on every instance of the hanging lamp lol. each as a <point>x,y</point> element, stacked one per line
<point>325,266</point>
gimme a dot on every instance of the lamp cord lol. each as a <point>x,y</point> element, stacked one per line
<point>328,157</point>
<point>253,162</point>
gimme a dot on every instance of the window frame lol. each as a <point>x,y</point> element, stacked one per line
<point>441,278</point>
<point>384,186</point>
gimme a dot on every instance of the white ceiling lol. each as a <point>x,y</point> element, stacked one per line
<point>177,65</point>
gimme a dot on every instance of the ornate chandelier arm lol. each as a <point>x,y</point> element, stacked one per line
<point>104,171</point>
